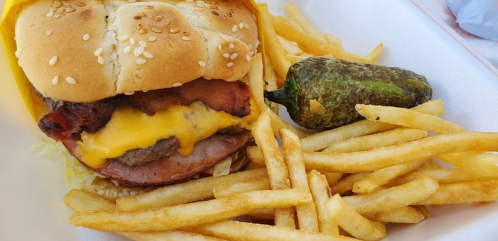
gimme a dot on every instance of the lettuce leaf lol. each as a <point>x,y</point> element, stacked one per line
<point>75,174</point>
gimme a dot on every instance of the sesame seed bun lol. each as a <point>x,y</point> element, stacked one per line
<point>86,51</point>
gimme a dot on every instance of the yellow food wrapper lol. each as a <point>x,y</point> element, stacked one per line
<point>7,31</point>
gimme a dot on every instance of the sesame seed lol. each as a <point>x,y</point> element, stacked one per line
<point>100,59</point>
<point>202,63</point>
<point>134,192</point>
<point>248,58</point>
<point>252,53</point>
<point>177,84</point>
<point>158,18</point>
<point>152,39</point>
<point>101,192</point>
<point>231,46</point>
<point>17,53</point>
<point>57,16</point>
<point>207,78</point>
<point>141,50</point>
<point>143,31</point>
<point>70,80</point>
<point>200,4</point>
<point>254,17</point>
<point>81,4</point>
<point>229,64</point>
<point>132,41</point>
<point>199,9</point>
<point>70,10</point>
<point>124,38</point>
<point>50,14</point>
<point>241,25</point>
<point>250,46</point>
<point>185,38</point>
<point>156,30</point>
<point>234,56</point>
<point>66,3</point>
<point>48,33</point>
<point>234,28</point>
<point>225,37</point>
<point>129,93</point>
<point>127,50</point>
<point>139,26</point>
<point>56,4</point>
<point>52,61</point>
<point>174,30</point>
<point>60,10</point>
<point>98,51</point>
<point>149,6</point>
<point>246,26</point>
<point>135,51</point>
<point>226,55</point>
<point>141,61</point>
<point>142,43</point>
<point>86,37</point>
<point>55,80</point>
<point>142,14</point>
<point>148,55</point>
<point>219,47</point>
<point>53,9</point>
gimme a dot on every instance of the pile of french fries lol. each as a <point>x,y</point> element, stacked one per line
<point>340,184</point>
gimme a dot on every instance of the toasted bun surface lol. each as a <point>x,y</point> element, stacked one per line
<point>84,51</point>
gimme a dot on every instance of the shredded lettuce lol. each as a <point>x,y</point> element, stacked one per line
<point>75,174</point>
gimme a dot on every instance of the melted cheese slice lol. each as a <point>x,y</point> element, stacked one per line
<point>130,128</point>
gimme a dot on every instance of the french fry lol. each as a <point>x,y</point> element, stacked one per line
<point>464,192</point>
<point>316,46</point>
<point>80,201</point>
<point>423,210</point>
<point>321,140</point>
<point>191,214</point>
<point>254,153</point>
<point>321,193</point>
<point>483,164</point>
<point>443,176</point>
<point>403,153</point>
<point>430,164</point>
<point>334,41</point>
<point>269,74</point>
<point>394,197</point>
<point>382,176</point>
<point>372,57</point>
<point>368,142</point>
<point>398,215</point>
<point>228,189</point>
<point>167,235</point>
<point>407,118</point>
<point>277,123</point>
<point>294,58</point>
<point>256,82</point>
<point>184,192</point>
<point>263,214</point>
<point>233,230</point>
<point>289,46</point>
<point>273,47</point>
<point>352,222</point>
<point>277,170</point>
<point>295,15</point>
<point>346,184</point>
<point>306,213</point>
<point>332,177</point>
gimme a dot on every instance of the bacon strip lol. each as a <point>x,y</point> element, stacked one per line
<point>70,119</point>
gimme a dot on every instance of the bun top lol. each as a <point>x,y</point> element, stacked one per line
<point>84,51</point>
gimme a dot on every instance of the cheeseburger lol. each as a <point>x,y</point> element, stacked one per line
<point>143,93</point>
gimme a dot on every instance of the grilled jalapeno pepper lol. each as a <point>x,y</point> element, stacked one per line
<point>339,85</point>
